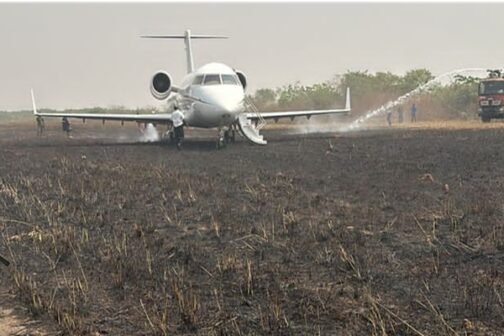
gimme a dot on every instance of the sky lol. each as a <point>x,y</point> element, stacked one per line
<point>78,55</point>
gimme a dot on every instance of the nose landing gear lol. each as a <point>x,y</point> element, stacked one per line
<point>229,135</point>
<point>225,136</point>
<point>221,140</point>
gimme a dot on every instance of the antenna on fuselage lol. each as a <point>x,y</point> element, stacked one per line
<point>187,39</point>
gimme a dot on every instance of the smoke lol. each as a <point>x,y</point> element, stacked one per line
<point>149,134</point>
<point>324,124</point>
<point>439,80</point>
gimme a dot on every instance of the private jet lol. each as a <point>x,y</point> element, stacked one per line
<point>212,96</point>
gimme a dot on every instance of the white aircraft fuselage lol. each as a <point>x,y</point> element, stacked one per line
<point>212,96</point>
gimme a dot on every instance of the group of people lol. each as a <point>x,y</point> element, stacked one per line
<point>65,125</point>
<point>400,116</point>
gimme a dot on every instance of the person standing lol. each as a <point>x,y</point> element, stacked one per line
<point>178,125</point>
<point>413,113</point>
<point>40,125</point>
<point>389,117</point>
<point>65,125</point>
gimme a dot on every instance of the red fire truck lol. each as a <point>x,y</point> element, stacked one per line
<point>491,97</point>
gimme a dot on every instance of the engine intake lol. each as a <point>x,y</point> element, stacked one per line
<point>161,85</point>
<point>242,78</point>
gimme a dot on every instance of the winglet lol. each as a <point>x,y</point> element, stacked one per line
<point>33,103</point>
<point>347,100</point>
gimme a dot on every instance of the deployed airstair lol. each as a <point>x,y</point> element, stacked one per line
<point>250,127</point>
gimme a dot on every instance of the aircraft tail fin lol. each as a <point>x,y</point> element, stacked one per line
<point>187,39</point>
<point>34,106</point>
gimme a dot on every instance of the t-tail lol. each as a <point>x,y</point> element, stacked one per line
<point>187,39</point>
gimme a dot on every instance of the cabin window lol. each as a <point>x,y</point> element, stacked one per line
<point>212,80</point>
<point>229,79</point>
<point>198,80</point>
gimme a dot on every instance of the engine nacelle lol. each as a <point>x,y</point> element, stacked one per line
<point>161,85</point>
<point>242,78</point>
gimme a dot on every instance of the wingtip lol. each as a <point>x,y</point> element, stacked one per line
<point>347,100</point>
<point>34,106</point>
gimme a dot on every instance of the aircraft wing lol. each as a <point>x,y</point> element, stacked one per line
<point>160,118</point>
<point>308,114</point>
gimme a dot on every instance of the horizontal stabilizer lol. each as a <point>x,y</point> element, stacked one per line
<point>187,37</point>
<point>184,36</point>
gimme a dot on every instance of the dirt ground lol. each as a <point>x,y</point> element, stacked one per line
<point>16,320</point>
<point>387,231</point>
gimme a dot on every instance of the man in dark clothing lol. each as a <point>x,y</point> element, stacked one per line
<point>40,125</point>
<point>389,117</point>
<point>413,112</point>
<point>65,125</point>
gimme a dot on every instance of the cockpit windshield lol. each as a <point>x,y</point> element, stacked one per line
<point>212,80</point>
<point>215,79</point>
<point>229,79</point>
<point>198,80</point>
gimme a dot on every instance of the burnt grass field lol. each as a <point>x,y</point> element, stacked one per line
<point>386,232</point>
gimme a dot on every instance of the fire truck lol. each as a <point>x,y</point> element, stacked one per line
<point>491,97</point>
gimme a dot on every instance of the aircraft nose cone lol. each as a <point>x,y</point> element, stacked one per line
<point>230,106</point>
<point>223,99</point>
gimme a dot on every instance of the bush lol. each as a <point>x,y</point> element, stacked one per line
<point>457,100</point>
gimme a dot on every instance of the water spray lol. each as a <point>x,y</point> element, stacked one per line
<point>441,79</point>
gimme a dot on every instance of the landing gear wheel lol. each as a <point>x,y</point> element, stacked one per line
<point>229,136</point>
<point>222,138</point>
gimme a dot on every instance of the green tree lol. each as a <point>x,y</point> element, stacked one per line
<point>415,78</point>
<point>264,99</point>
<point>293,96</point>
<point>323,96</point>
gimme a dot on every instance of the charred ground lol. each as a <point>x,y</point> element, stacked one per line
<point>379,232</point>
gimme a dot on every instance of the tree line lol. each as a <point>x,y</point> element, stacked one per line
<point>369,91</point>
